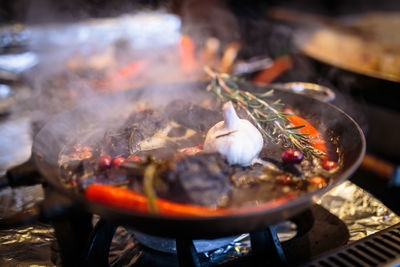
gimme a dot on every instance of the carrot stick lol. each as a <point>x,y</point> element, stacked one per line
<point>312,133</point>
<point>120,77</point>
<point>132,68</point>
<point>187,51</point>
<point>132,201</point>
<point>279,66</point>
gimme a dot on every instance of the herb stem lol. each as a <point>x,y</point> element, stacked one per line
<point>148,188</point>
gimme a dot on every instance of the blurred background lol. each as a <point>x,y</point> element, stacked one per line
<point>44,11</point>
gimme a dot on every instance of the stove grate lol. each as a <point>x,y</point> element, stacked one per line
<point>379,249</point>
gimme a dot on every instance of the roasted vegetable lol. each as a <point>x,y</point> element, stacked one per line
<point>131,201</point>
<point>314,137</point>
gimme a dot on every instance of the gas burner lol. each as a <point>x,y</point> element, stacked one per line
<point>318,231</point>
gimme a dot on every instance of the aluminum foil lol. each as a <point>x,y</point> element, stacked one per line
<point>362,213</point>
<point>25,246</point>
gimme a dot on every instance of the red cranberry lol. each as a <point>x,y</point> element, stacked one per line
<point>117,162</point>
<point>329,165</point>
<point>105,161</point>
<point>318,181</point>
<point>284,179</point>
<point>133,158</point>
<point>292,156</point>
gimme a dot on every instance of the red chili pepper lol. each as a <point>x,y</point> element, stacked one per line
<point>132,201</point>
<point>312,133</point>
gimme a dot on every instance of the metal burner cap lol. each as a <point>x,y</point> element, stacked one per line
<point>168,245</point>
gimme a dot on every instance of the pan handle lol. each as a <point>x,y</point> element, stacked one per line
<point>313,90</point>
<point>384,169</point>
<point>24,174</point>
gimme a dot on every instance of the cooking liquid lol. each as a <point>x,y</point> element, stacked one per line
<point>246,186</point>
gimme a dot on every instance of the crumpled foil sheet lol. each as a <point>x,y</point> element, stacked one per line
<point>25,246</point>
<point>36,245</point>
<point>360,211</point>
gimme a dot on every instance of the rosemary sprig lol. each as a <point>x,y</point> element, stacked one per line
<point>148,181</point>
<point>271,122</point>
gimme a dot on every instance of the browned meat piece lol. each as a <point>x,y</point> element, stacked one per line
<point>202,179</point>
<point>139,125</point>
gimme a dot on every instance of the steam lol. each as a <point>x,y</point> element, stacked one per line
<point>88,58</point>
<point>84,59</point>
<point>82,62</point>
<point>76,56</point>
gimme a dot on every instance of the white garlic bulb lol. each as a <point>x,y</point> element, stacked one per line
<point>237,139</point>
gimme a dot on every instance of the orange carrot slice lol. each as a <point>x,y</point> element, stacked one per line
<point>312,133</point>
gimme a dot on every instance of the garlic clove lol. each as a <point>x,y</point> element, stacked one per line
<point>231,119</point>
<point>237,139</point>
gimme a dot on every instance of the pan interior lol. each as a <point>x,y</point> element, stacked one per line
<point>64,129</point>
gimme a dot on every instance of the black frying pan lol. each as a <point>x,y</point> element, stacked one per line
<point>57,132</point>
<point>379,87</point>
<point>375,86</point>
